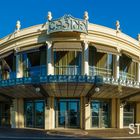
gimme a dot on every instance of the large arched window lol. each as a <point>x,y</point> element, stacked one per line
<point>100,63</point>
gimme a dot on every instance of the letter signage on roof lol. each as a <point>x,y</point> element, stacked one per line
<point>67,23</point>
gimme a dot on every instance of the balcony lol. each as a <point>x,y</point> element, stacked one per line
<point>67,70</point>
<point>100,71</point>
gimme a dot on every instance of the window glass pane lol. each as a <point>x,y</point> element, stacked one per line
<point>128,114</point>
<point>39,114</point>
<point>29,114</point>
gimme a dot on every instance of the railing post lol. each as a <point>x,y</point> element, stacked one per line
<point>50,68</point>
<point>86,57</point>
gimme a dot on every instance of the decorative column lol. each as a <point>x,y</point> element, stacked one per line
<point>86,56</point>
<point>87,114</point>
<point>116,66</point>
<point>49,114</point>
<point>138,72</point>
<point>113,113</point>
<point>119,114</point>
<point>19,66</point>
<point>50,69</point>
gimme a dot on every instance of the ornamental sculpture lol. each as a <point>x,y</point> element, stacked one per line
<point>118,26</point>
<point>18,25</point>
<point>67,23</point>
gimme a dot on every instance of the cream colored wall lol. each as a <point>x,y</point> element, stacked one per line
<point>17,113</point>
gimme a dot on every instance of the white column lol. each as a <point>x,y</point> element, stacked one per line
<point>14,114</point>
<point>119,114</point>
<point>50,114</point>
<point>86,56</point>
<point>50,68</point>
<point>19,66</point>
<point>47,114</point>
<point>138,71</point>
<point>116,67</point>
<point>87,115</point>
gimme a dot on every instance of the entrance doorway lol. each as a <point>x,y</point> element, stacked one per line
<point>68,113</point>
<point>100,114</point>
<point>34,113</point>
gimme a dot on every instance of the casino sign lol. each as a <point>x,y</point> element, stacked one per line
<point>67,23</point>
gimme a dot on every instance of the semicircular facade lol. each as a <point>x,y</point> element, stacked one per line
<point>66,71</point>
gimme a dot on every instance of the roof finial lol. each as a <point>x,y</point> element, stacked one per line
<point>18,25</point>
<point>86,17</point>
<point>49,17</point>
<point>138,37</point>
<point>118,26</point>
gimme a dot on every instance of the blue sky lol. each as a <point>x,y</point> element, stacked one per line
<point>104,12</point>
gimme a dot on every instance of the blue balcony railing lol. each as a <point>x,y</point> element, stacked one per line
<point>93,71</point>
<point>35,71</point>
<point>67,70</point>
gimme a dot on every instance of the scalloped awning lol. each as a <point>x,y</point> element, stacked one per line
<point>67,46</point>
<point>106,49</point>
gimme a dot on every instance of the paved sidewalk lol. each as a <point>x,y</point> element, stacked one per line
<point>36,134</point>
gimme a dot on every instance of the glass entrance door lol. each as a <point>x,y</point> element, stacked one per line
<point>100,114</point>
<point>34,113</point>
<point>67,113</point>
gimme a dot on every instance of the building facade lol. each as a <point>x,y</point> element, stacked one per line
<point>69,73</point>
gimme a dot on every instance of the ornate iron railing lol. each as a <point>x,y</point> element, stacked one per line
<point>100,71</point>
<point>35,71</point>
<point>127,76</point>
<point>67,70</point>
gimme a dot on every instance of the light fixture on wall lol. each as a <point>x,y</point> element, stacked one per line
<point>97,89</point>
<point>37,89</point>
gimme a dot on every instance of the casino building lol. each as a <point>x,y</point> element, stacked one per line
<point>69,73</point>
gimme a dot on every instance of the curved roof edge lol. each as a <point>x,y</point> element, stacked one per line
<point>92,28</point>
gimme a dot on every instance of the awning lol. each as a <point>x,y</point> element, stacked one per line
<point>67,46</point>
<point>31,48</point>
<point>132,56</point>
<point>106,49</point>
<point>6,54</point>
